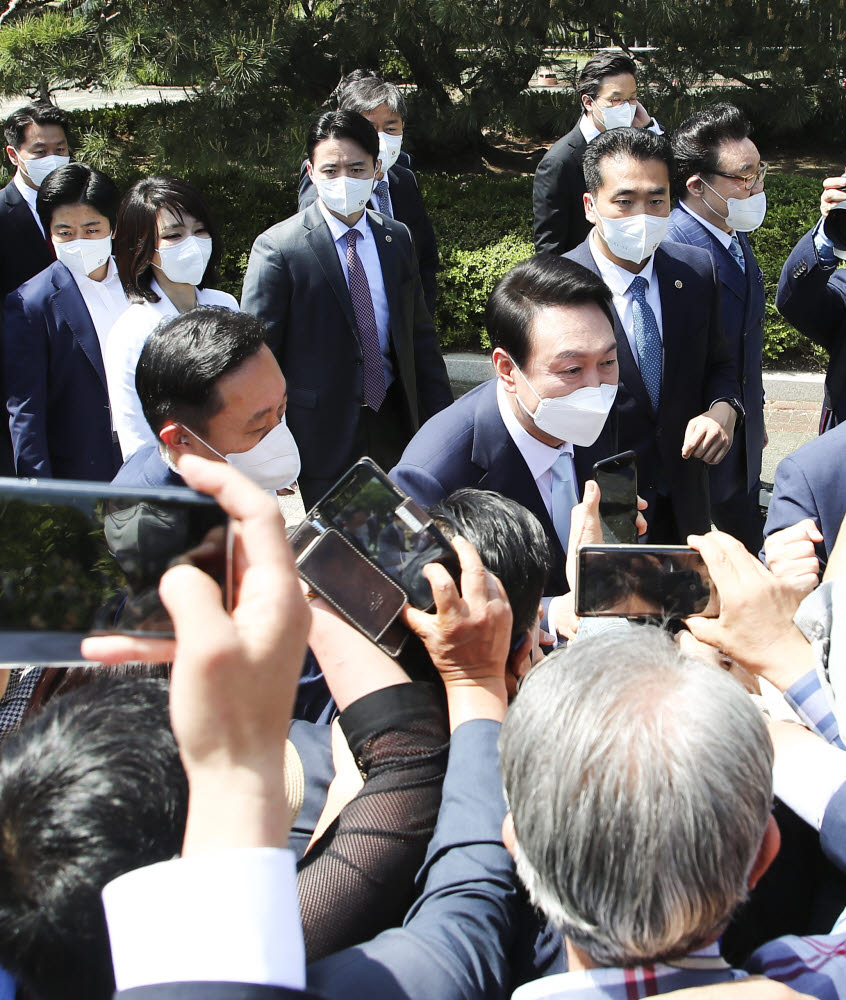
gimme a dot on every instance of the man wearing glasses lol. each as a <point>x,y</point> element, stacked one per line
<point>720,184</point>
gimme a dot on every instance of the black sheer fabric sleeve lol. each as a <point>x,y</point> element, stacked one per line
<point>358,879</point>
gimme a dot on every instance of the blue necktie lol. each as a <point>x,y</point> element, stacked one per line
<point>564,496</point>
<point>647,339</point>
<point>381,191</point>
<point>736,250</point>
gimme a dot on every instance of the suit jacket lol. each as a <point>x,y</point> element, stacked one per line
<point>295,285</point>
<point>557,196</point>
<point>813,299</point>
<point>468,445</point>
<point>743,304</point>
<point>23,250</point>
<point>23,253</point>
<point>812,483</point>
<point>697,370</point>
<point>408,206</point>
<point>833,830</point>
<point>213,991</point>
<point>55,382</point>
<point>147,468</point>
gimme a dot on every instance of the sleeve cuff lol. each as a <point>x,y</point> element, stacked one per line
<point>225,916</point>
<point>824,247</point>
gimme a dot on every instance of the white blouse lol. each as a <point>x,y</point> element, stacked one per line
<point>123,349</point>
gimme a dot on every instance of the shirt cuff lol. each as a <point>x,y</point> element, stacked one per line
<point>655,127</point>
<point>807,779</point>
<point>225,916</point>
<point>808,699</point>
<point>824,247</point>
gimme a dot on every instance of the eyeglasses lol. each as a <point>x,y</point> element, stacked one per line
<point>749,180</point>
<point>615,102</point>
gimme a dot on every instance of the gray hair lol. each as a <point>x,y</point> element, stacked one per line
<point>361,93</point>
<point>640,782</point>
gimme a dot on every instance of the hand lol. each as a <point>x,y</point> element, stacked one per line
<point>691,646</point>
<point>709,435</point>
<point>562,617</point>
<point>234,677</point>
<point>755,624</point>
<point>833,193</point>
<point>791,555</point>
<point>467,637</point>
<point>642,117</point>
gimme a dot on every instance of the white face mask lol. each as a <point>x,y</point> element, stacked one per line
<point>620,116</point>
<point>634,238</point>
<point>273,464</point>
<point>744,214</point>
<point>38,170</point>
<point>344,195</point>
<point>84,256</point>
<point>389,149</point>
<point>577,418</point>
<point>186,262</point>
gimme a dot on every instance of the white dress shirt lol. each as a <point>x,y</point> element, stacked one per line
<point>538,456</point>
<point>619,280</point>
<point>29,195</point>
<point>226,916</point>
<point>126,340</point>
<point>105,300</point>
<point>366,248</point>
<point>719,234</point>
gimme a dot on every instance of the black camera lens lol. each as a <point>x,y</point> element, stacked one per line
<point>834,227</point>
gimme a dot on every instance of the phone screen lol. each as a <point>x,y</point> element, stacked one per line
<point>372,514</point>
<point>82,558</point>
<point>617,481</point>
<point>634,581</point>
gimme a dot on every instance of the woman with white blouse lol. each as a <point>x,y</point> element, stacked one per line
<point>166,247</point>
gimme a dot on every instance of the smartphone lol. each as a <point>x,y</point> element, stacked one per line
<point>79,559</point>
<point>617,481</point>
<point>387,527</point>
<point>637,581</point>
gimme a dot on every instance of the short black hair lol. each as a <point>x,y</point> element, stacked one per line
<point>538,283</point>
<point>510,541</point>
<point>136,235</point>
<point>696,142</point>
<point>183,358</point>
<point>362,90</point>
<point>343,124</point>
<point>77,184</point>
<point>597,69</point>
<point>38,113</point>
<point>90,788</point>
<point>619,143</point>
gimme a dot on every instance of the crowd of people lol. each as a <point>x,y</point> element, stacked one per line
<point>519,800</point>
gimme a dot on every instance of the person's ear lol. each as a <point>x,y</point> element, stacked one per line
<point>504,368</point>
<point>590,207</point>
<point>587,100</point>
<point>770,844</point>
<point>176,439</point>
<point>509,837</point>
<point>519,663</point>
<point>12,153</point>
<point>694,185</point>
<point>310,171</point>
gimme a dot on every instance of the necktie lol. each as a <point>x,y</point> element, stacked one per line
<point>736,251</point>
<point>564,497</point>
<point>365,318</point>
<point>647,339</point>
<point>381,190</point>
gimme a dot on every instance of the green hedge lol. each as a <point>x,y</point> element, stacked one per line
<point>247,168</point>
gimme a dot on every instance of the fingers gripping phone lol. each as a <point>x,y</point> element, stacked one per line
<point>80,559</point>
<point>636,581</point>
<point>617,481</point>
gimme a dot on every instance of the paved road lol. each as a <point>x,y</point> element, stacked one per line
<point>73,100</point>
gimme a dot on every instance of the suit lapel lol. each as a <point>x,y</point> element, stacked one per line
<point>629,368</point>
<point>71,306</point>
<point>754,285</point>
<point>319,239</point>
<point>673,318</point>
<point>728,269</point>
<point>388,263</point>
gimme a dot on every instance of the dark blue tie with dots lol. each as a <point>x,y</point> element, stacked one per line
<point>647,339</point>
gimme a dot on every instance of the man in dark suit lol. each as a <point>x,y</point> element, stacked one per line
<point>720,183</point>
<point>396,192</point>
<point>36,139</point>
<point>549,323</point>
<point>210,386</point>
<point>338,290</point>
<point>812,295</point>
<point>607,88</point>
<point>678,399</point>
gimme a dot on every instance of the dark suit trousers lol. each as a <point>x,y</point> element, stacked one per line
<point>381,436</point>
<point>740,516</point>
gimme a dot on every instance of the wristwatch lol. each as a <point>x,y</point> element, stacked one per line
<point>736,405</point>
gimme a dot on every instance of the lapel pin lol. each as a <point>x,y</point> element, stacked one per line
<point>679,284</point>
<point>387,239</point>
